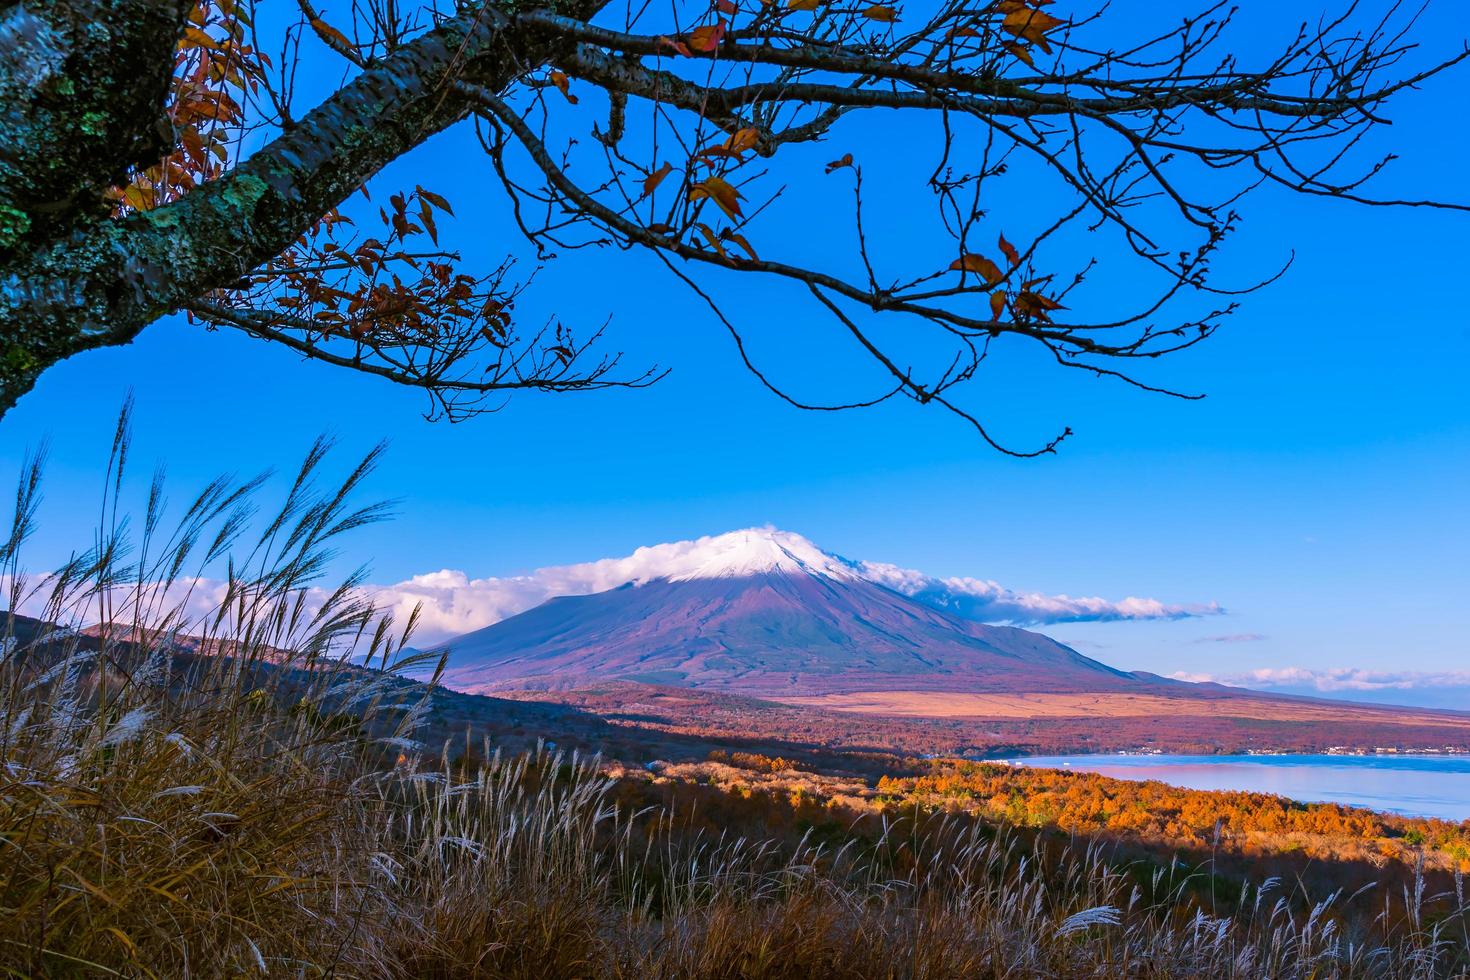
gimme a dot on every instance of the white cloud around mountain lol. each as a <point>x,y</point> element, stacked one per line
<point>454,603</point>
<point>990,601</point>
<point>450,602</point>
<point>1336,680</point>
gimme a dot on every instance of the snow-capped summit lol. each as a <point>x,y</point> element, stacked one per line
<point>762,611</point>
<point>752,551</point>
<point>451,603</point>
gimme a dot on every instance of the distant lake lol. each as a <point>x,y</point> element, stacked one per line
<point>1413,785</point>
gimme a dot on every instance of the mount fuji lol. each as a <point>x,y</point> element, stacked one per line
<point>767,613</point>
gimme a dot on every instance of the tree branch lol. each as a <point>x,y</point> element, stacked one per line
<point>102,286</point>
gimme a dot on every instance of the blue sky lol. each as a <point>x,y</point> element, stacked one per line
<point>1320,493</point>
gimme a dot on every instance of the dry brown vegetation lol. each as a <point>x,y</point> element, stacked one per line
<point>166,814</point>
<point>1210,724</point>
<point>929,704</point>
<point>249,834</point>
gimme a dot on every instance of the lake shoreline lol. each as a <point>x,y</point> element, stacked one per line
<point>1435,785</point>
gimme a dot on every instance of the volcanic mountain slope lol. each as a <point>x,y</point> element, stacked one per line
<point>767,613</point>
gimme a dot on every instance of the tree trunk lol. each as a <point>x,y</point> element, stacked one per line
<point>83,84</point>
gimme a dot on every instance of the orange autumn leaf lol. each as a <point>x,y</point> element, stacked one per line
<point>559,79</point>
<point>740,141</point>
<point>803,4</point>
<point>1032,25</point>
<point>1020,51</point>
<point>197,38</point>
<point>997,304</point>
<point>740,240</point>
<point>714,242</point>
<point>979,265</point>
<point>1035,305</point>
<point>436,200</point>
<point>706,39</point>
<point>1012,256</point>
<point>721,192</point>
<point>844,161</point>
<point>881,12</point>
<point>654,179</point>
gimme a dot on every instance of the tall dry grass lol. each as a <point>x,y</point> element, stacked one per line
<point>164,811</point>
<point>249,803</point>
